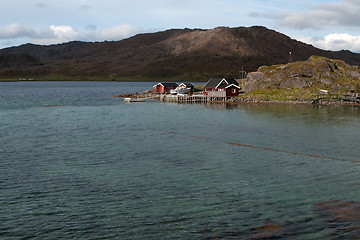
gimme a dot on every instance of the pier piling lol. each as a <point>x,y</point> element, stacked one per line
<point>191,98</point>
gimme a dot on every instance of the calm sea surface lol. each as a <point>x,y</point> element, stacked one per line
<point>77,163</point>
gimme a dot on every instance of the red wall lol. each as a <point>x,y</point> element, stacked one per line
<point>167,90</point>
<point>229,92</point>
<point>158,89</point>
<point>161,89</point>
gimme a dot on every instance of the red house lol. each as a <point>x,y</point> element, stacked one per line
<point>164,87</point>
<point>187,85</point>
<point>229,87</point>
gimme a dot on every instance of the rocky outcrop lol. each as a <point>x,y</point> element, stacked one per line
<point>316,72</point>
<point>144,94</point>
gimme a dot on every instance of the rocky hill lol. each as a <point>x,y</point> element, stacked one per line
<point>177,54</point>
<point>303,79</point>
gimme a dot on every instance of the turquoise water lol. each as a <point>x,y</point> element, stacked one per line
<point>76,163</point>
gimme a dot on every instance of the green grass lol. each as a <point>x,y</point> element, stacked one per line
<point>199,88</point>
<point>318,68</point>
<point>266,68</point>
<point>279,95</point>
<point>318,57</point>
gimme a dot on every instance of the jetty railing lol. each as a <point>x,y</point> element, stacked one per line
<point>194,98</point>
<point>216,94</point>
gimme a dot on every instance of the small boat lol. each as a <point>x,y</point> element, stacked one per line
<point>180,91</point>
<point>184,90</point>
<point>134,100</point>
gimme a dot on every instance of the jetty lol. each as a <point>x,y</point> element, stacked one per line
<point>194,98</point>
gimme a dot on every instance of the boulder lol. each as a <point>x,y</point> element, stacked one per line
<point>253,80</point>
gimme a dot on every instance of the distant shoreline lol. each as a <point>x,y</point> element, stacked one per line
<point>87,80</point>
<point>236,101</point>
<point>309,102</point>
<point>239,100</point>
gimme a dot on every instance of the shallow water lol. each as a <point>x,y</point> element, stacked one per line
<point>78,163</point>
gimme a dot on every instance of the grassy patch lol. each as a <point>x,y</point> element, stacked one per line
<point>199,88</point>
<point>266,68</point>
<point>279,95</point>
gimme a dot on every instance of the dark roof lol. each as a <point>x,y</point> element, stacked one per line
<point>232,81</point>
<point>232,85</point>
<point>213,82</point>
<point>188,84</point>
<point>169,84</point>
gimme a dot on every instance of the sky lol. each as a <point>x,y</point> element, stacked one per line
<point>326,24</point>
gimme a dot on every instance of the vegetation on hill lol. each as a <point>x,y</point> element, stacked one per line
<point>173,55</point>
<point>300,81</point>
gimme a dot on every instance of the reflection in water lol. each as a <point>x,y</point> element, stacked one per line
<point>323,114</point>
<point>309,113</point>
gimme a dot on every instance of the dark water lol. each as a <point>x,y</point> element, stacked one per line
<point>76,163</point>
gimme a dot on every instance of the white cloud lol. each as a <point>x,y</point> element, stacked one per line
<point>342,13</point>
<point>314,20</point>
<point>118,32</point>
<point>335,42</point>
<point>15,30</point>
<point>54,34</point>
<point>64,32</point>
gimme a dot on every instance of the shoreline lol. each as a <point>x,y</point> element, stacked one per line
<point>303,103</point>
<point>238,101</point>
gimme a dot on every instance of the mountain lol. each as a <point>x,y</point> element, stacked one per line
<point>176,54</point>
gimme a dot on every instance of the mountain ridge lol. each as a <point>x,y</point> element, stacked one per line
<point>186,54</point>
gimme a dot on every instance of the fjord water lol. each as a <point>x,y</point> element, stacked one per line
<point>77,163</point>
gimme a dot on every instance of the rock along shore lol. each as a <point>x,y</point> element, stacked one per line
<point>144,94</point>
<point>238,100</point>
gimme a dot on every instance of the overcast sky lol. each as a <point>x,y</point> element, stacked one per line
<point>327,24</point>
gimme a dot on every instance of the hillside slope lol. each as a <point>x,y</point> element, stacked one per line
<point>189,54</point>
<point>301,80</point>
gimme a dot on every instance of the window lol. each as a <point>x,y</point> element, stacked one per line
<point>233,90</point>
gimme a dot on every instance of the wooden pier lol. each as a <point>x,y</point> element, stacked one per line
<point>194,98</point>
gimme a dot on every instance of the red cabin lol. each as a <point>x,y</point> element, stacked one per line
<point>187,85</point>
<point>164,87</point>
<point>228,85</point>
<point>232,90</point>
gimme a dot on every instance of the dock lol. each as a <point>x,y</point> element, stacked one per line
<point>194,98</point>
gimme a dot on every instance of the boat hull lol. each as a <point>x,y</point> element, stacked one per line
<point>133,100</point>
